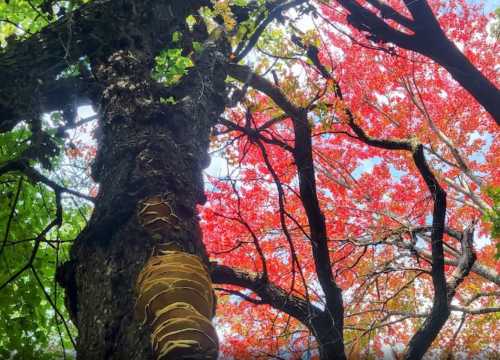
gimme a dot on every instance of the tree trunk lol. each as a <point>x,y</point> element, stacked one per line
<point>329,337</point>
<point>149,166</point>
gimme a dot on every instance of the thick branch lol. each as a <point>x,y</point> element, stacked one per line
<point>268,292</point>
<point>428,40</point>
<point>245,75</point>
<point>440,311</point>
<point>465,262</point>
<point>97,29</point>
<point>308,193</point>
<point>388,12</point>
<point>368,21</point>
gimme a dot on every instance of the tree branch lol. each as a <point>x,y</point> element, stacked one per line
<point>35,176</point>
<point>308,193</point>
<point>56,222</point>
<point>428,40</point>
<point>270,294</point>
<point>465,262</point>
<point>11,215</point>
<point>276,11</point>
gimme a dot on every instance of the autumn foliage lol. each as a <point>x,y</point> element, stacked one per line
<point>337,159</point>
<point>374,201</point>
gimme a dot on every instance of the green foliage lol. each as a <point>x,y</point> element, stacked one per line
<point>190,21</point>
<point>29,325</point>
<point>240,2</point>
<point>21,18</point>
<point>76,69</point>
<point>13,143</point>
<point>30,328</point>
<point>494,216</point>
<point>496,25</point>
<point>170,66</point>
<point>176,36</point>
<point>169,100</point>
<point>197,46</point>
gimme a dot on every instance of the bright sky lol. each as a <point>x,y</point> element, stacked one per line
<point>489,5</point>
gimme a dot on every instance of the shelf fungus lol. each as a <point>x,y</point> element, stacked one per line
<point>156,215</point>
<point>176,300</point>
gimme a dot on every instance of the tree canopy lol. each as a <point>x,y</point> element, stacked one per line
<point>351,204</point>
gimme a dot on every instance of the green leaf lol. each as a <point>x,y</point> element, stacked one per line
<point>170,66</point>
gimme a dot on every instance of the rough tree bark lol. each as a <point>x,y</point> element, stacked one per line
<point>148,151</point>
